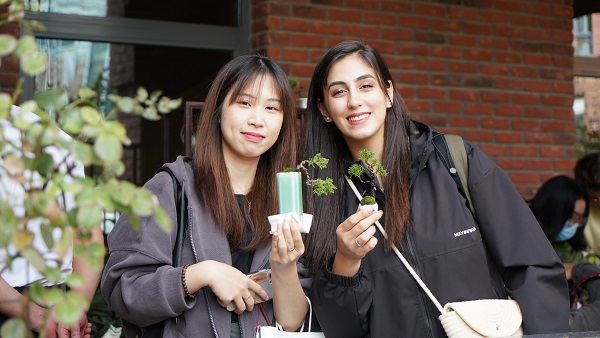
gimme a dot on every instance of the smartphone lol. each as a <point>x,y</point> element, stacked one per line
<point>263,278</point>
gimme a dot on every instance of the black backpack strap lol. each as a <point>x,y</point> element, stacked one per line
<point>441,148</point>
<point>181,208</point>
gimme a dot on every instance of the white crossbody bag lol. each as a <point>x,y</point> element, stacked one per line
<point>475,318</point>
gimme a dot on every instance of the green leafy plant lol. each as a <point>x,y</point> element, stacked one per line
<point>368,163</point>
<point>367,200</point>
<point>319,186</point>
<point>96,139</point>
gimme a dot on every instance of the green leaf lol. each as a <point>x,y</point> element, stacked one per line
<point>22,239</point>
<point>83,152</point>
<point>86,93</point>
<point>142,94</point>
<point>323,187</point>
<point>151,114</point>
<point>108,148</point>
<point>51,99</point>
<point>144,202</point>
<point>8,43</point>
<point>70,121</point>
<point>89,217</point>
<point>126,104</point>
<point>68,312</point>
<point>30,106</point>
<point>174,104</point>
<point>91,115</point>
<point>9,222</point>
<point>53,274</point>
<point>75,280</point>
<point>34,63</point>
<point>51,296</point>
<point>163,219</point>
<point>25,45</point>
<point>64,242</point>
<point>35,258</point>
<point>46,231</point>
<point>356,170</point>
<point>5,102</point>
<point>45,164</point>
<point>15,328</point>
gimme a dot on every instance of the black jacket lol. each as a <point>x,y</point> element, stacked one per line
<point>586,317</point>
<point>504,254</point>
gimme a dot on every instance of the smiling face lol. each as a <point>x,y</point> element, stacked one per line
<point>251,123</point>
<point>356,102</point>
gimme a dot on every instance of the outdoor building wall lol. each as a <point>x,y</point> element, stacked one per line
<point>499,73</point>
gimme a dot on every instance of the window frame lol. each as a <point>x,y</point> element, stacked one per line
<point>140,31</point>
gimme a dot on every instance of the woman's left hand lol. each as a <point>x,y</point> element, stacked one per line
<point>287,245</point>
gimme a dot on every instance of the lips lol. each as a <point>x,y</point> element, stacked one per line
<point>254,137</point>
<point>358,118</point>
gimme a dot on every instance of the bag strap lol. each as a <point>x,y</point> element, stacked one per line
<point>451,147</point>
<point>404,261</point>
<point>279,328</point>
<point>181,209</point>
<point>583,280</point>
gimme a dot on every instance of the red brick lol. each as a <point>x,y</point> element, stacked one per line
<point>338,14</point>
<point>494,69</point>
<point>552,152</point>
<point>510,163</point>
<point>509,137</point>
<point>447,107</point>
<point>362,31</point>
<point>464,122</point>
<point>413,21</point>
<point>495,123</point>
<point>430,64</point>
<point>495,96</point>
<point>523,151</point>
<point>527,125</point>
<point>326,28</point>
<point>396,33</point>
<point>538,138</point>
<point>538,112</point>
<point>462,67</point>
<point>479,109</point>
<point>495,150</point>
<point>479,135</point>
<point>431,93</point>
<point>379,18</point>
<point>509,111</point>
<point>524,177</point>
<point>464,95</point>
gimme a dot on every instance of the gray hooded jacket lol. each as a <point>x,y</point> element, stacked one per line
<point>143,288</point>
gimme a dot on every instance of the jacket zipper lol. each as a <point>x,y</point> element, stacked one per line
<point>421,295</point>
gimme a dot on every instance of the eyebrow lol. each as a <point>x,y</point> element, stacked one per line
<point>362,77</point>
<point>275,99</point>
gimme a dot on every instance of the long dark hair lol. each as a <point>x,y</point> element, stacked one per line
<point>211,178</point>
<point>587,171</point>
<point>553,205</point>
<point>325,138</point>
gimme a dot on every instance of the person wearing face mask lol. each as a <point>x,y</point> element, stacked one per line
<point>561,206</point>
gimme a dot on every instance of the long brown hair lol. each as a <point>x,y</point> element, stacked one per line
<point>211,177</point>
<point>325,138</point>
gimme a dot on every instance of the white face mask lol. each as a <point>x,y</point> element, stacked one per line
<point>568,231</point>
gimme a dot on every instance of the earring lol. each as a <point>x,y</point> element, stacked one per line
<point>327,119</point>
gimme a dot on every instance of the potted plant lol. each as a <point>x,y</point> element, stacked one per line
<point>96,139</point>
<point>367,171</point>
<point>289,191</point>
<point>301,100</point>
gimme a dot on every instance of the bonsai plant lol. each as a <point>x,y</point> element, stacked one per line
<point>367,172</point>
<point>96,139</point>
<point>289,190</point>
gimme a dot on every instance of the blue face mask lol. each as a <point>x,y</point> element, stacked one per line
<point>567,232</point>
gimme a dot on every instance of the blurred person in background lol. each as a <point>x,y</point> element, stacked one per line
<point>587,173</point>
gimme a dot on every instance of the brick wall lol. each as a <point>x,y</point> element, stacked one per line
<point>497,72</point>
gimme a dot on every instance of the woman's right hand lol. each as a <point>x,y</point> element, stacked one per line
<point>355,238</point>
<point>230,285</point>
